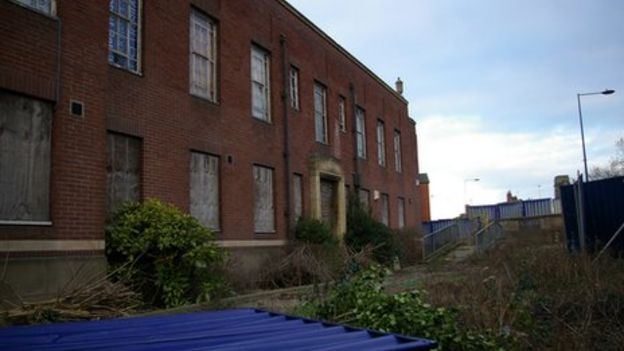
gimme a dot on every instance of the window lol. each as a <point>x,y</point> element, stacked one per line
<point>360,130</point>
<point>124,34</point>
<point>203,60</point>
<point>401,212</point>
<point>342,114</point>
<point>363,196</point>
<point>381,143</point>
<point>25,133</point>
<point>44,6</point>
<point>384,209</point>
<point>320,113</point>
<point>204,189</point>
<point>294,88</point>
<point>123,170</point>
<point>397,151</point>
<point>264,212</point>
<point>297,196</point>
<point>260,89</point>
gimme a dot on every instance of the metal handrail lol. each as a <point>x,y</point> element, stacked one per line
<point>487,236</point>
<point>442,238</point>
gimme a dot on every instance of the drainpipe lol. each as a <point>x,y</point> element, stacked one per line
<point>57,93</point>
<point>286,152</point>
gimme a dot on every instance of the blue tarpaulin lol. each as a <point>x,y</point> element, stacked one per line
<point>237,329</point>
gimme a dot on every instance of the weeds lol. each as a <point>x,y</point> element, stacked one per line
<point>540,296</point>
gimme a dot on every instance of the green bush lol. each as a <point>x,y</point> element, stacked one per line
<point>363,230</point>
<point>168,255</point>
<point>314,231</point>
<point>361,302</point>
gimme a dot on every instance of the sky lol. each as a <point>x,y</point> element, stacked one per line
<point>492,86</point>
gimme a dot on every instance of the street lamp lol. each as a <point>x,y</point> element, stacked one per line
<point>466,181</point>
<point>578,99</point>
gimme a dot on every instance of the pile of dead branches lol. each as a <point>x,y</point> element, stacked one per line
<point>313,264</point>
<point>100,299</point>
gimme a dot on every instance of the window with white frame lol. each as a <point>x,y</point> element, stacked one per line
<point>264,211</point>
<point>294,88</point>
<point>203,56</point>
<point>381,143</point>
<point>45,6</point>
<point>124,34</point>
<point>204,189</point>
<point>320,113</point>
<point>25,156</point>
<point>360,131</point>
<point>385,209</point>
<point>342,114</point>
<point>397,151</point>
<point>260,89</point>
<point>401,212</point>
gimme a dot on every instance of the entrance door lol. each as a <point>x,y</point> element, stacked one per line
<point>329,203</point>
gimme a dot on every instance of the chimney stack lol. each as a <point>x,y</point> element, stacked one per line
<point>399,86</point>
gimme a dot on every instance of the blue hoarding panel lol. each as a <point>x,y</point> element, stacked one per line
<point>603,210</point>
<point>238,329</point>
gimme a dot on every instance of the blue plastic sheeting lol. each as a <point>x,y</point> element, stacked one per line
<point>239,329</point>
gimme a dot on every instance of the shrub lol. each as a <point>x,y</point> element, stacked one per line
<point>169,256</point>
<point>314,231</point>
<point>409,246</point>
<point>363,230</point>
<point>361,302</point>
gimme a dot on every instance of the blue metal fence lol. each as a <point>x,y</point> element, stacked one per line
<point>432,226</point>
<point>513,210</point>
<point>594,210</point>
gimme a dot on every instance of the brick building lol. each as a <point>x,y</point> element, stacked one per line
<point>242,112</point>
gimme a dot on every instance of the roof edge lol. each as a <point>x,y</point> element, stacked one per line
<point>340,49</point>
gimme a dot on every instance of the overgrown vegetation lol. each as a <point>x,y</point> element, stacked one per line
<point>363,230</point>
<point>314,231</point>
<point>168,255</point>
<point>408,246</point>
<point>362,302</point>
<point>538,295</point>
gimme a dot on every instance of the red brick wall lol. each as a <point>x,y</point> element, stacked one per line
<point>156,106</point>
<point>425,211</point>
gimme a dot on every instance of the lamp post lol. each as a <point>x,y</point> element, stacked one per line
<point>465,182</point>
<point>578,100</point>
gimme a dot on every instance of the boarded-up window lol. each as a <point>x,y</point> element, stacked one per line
<point>364,196</point>
<point>123,170</point>
<point>297,195</point>
<point>205,189</point>
<point>264,212</point>
<point>401,212</point>
<point>384,208</point>
<point>329,205</point>
<point>25,132</point>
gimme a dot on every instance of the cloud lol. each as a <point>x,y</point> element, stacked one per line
<point>456,148</point>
